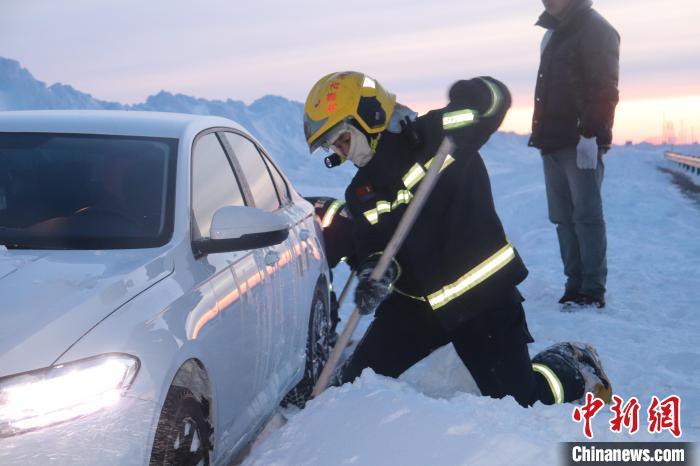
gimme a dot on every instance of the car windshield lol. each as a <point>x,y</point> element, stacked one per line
<point>70,191</point>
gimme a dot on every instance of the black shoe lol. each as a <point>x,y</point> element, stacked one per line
<point>570,297</point>
<point>586,300</point>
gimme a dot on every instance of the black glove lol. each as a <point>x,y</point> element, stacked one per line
<point>369,293</point>
<point>472,93</point>
<point>488,98</point>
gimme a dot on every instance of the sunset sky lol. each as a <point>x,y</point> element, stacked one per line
<point>125,50</point>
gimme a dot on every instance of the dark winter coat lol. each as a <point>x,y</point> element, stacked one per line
<point>458,228</point>
<point>576,92</point>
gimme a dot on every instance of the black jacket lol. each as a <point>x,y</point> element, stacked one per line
<point>458,229</point>
<point>576,92</point>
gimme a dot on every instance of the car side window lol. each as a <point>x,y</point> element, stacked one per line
<point>214,184</point>
<point>277,178</point>
<point>255,172</point>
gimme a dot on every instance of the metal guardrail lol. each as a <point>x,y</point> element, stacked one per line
<point>689,162</point>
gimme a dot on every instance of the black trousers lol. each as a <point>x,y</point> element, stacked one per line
<point>493,346</point>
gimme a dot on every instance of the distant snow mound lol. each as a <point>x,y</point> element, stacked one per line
<point>19,90</point>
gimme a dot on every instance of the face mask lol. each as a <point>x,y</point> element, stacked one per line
<point>360,153</point>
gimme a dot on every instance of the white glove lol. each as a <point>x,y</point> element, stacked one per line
<point>587,154</point>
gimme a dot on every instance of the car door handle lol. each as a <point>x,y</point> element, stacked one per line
<point>304,235</point>
<point>272,258</point>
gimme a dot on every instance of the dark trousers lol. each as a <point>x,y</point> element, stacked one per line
<point>493,346</point>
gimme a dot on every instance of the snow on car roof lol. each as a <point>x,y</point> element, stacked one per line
<point>114,122</point>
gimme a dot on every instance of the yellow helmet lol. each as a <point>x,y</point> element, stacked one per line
<point>345,96</point>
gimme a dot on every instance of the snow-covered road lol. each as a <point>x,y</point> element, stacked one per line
<point>647,336</point>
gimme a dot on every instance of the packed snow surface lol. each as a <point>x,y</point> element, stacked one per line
<point>647,335</point>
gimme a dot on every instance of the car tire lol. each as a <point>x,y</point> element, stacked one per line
<point>318,348</point>
<point>184,433</point>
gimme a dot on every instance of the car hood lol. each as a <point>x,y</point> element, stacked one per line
<point>49,299</point>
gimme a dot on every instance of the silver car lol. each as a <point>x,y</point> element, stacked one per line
<point>162,288</point>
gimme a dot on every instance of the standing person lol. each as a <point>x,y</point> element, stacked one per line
<point>575,100</point>
<point>454,279</point>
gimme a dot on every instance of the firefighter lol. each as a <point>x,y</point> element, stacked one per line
<point>455,277</point>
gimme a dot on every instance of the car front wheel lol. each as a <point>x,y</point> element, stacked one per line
<point>318,347</point>
<point>183,436</point>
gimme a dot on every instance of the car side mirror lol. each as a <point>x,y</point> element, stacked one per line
<point>237,228</point>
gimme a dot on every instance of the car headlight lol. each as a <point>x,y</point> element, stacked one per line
<point>40,398</point>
